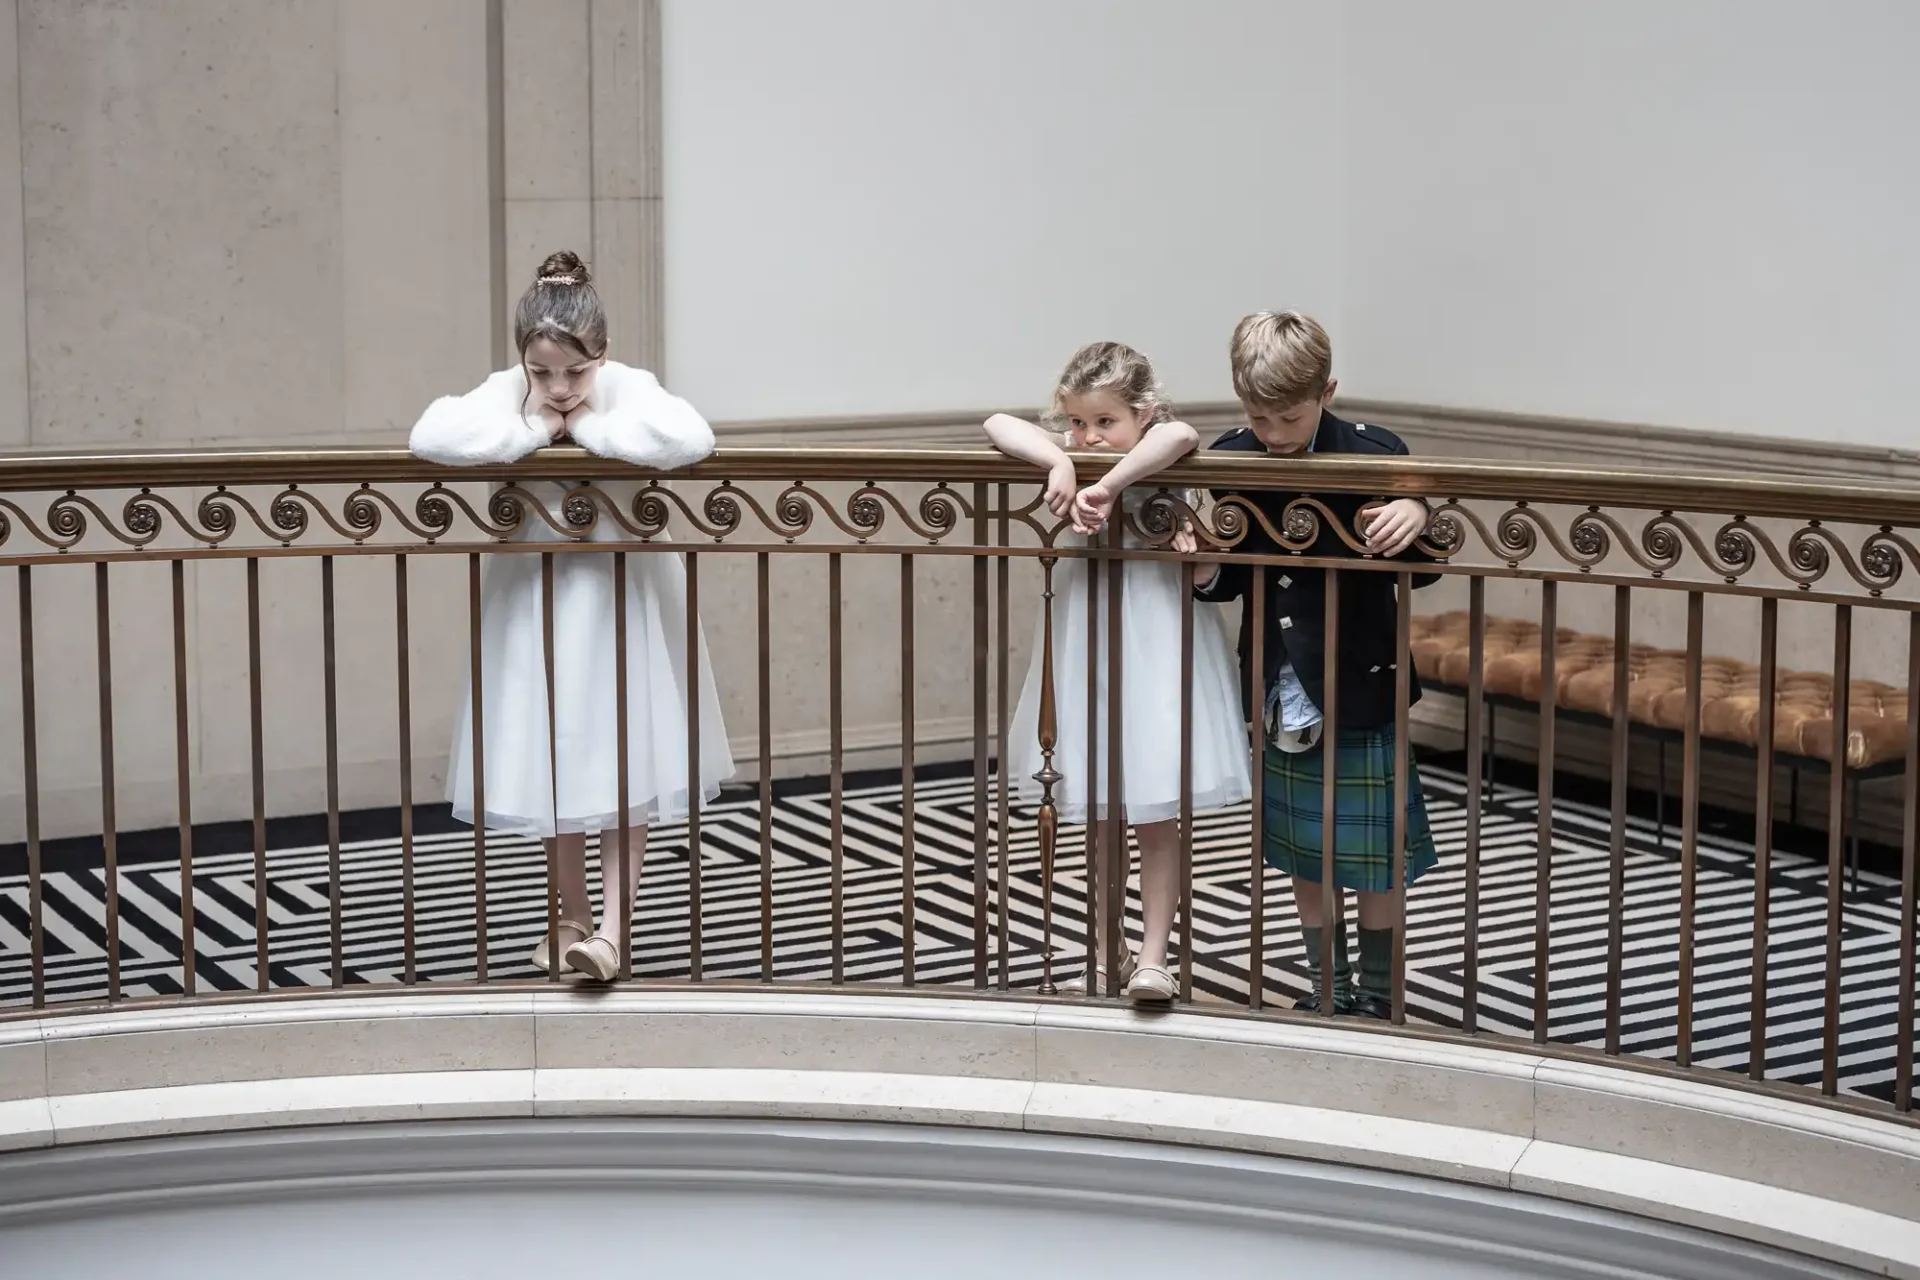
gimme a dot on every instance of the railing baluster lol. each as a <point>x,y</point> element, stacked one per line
<point>555,955</point>
<point>696,899</point>
<point>183,771</point>
<point>336,906</point>
<point>1090,765</point>
<point>622,763</point>
<point>1003,789</point>
<point>1689,824</point>
<point>1476,788</point>
<point>1543,855</point>
<point>403,662</point>
<point>30,746</point>
<point>1763,838</point>
<point>1185,905</point>
<point>256,737</point>
<point>836,802</point>
<point>1257,746</point>
<point>109,823</point>
<point>1117,826</point>
<point>1909,866</point>
<point>1402,756</point>
<point>980,619</point>
<point>1048,824</point>
<point>907,850</point>
<point>763,613</point>
<point>477,700</point>
<point>1617,838</point>
<point>1332,900</point>
<point>1837,843</point>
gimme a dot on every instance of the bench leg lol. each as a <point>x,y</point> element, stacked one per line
<point>1852,819</point>
<point>1488,783</point>
<point>1660,801</point>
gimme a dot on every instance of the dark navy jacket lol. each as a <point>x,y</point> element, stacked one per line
<point>1296,597</point>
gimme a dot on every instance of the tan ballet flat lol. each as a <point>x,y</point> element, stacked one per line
<point>1150,984</point>
<point>1078,986</point>
<point>595,956</point>
<point>543,953</point>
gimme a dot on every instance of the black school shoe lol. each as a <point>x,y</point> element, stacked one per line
<point>1310,1003</point>
<point>1368,1006</point>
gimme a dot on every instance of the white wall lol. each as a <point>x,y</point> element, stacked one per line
<point>1691,213</point>
<point>1698,214</point>
<point>239,222</point>
<point>880,206</point>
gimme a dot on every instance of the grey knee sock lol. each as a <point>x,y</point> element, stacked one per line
<point>1314,939</point>
<point>1375,975</point>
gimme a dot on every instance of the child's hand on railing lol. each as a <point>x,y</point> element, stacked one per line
<point>1060,486</point>
<point>1186,542</point>
<point>1092,508</point>
<point>1392,527</point>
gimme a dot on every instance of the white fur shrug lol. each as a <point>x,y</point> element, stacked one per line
<point>630,416</point>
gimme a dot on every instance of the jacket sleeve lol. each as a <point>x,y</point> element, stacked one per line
<point>637,420</point>
<point>483,426</point>
<point>1230,583</point>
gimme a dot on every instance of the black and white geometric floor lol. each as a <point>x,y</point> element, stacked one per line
<point>301,944</point>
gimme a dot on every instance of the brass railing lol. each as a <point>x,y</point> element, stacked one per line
<point>1833,548</point>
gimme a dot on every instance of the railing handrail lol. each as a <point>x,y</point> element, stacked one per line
<point>1752,495</point>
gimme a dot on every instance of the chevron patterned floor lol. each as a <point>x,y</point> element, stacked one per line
<point>301,934</point>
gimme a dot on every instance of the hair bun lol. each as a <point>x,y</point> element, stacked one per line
<point>564,267</point>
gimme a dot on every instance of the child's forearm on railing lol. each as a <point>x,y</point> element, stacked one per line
<point>1020,439</point>
<point>1164,444</point>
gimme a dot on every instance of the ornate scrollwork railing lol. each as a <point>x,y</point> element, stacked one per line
<point>1495,519</point>
<point>1843,545</point>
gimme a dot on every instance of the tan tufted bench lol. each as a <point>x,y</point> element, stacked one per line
<point>1657,692</point>
<point>1803,730</point>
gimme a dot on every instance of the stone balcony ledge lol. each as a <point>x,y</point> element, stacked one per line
<point>1794,1176</point>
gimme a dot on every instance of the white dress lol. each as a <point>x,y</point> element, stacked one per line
<point>1150,696</point>
<point>632,418</point>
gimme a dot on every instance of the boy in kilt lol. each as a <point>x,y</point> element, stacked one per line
<point>1283,374</point>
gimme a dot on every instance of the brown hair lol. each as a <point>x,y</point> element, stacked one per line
<point>1280,359</point>
<point>1115,367</point>
<point>561,305</point>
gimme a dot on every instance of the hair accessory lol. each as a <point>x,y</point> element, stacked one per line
<point>558,280</point>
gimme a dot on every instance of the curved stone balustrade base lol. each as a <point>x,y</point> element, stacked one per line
<point>718,1198</point>
<point>1319,1133</point>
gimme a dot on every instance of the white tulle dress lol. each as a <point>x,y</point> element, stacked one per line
<point>1150,680</point>
<point>632,418</point>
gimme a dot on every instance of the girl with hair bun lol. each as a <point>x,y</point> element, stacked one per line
<point>565,388</point>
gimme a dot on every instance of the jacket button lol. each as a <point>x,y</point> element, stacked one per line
<point>1285,582</point>
<point>1285,623</point>
<point>1375,671</point>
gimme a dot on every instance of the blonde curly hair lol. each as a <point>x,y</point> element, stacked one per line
<point>1115,367</point>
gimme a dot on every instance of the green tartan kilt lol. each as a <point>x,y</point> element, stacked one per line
<point>1363,809</point>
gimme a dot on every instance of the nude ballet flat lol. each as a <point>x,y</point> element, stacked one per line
<point>595,956</point>
<point>543,952</point>
<point>1150,984</point>
<point>1078,986</point>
